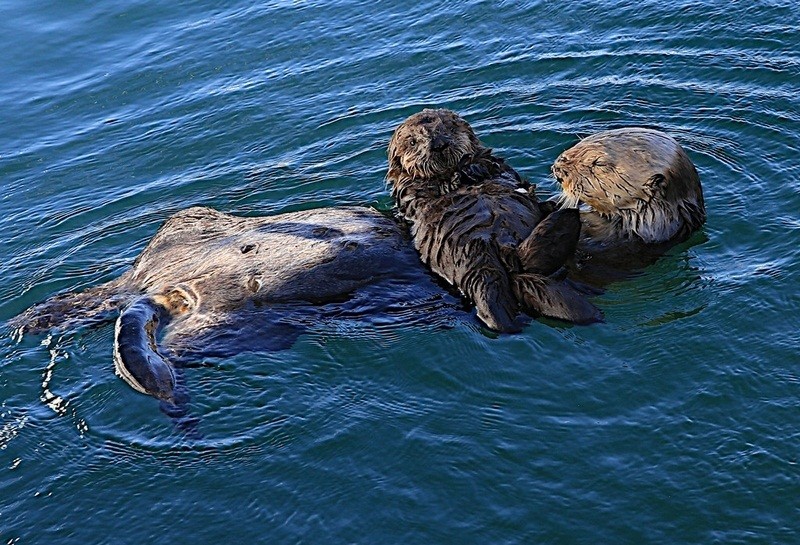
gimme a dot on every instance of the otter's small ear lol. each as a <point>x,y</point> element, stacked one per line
<point>657,183</point>
<point>394,159</point>
<point>464,124</point>
<point>395,167</point>
<point>391,151</point>
<point>473,139</point>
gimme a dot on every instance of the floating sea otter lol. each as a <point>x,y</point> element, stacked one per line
<point>225,284</point>
<point>213,276</point>
<point>479,225</point>
<point>474,220</point>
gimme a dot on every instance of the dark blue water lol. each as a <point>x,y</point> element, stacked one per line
<point>674,422</point>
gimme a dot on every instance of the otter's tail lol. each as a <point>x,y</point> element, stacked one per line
<point>75,309</point>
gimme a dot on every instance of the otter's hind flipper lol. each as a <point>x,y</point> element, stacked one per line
<point>551,243</point>
<point>75,309</point>
<point>136,356</point>
<point>544,296</point>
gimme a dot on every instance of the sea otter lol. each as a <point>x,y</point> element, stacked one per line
<point>638,191</point>
<point>478,225</point>
<point>223,284</point>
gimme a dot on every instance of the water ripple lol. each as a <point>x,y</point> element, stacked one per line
<point>396,428</point>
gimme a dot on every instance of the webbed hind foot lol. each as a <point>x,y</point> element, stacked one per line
<point>543,296</point>
<point>136,357</point>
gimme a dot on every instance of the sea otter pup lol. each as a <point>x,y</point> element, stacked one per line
<point>477,224</point>
<point>214,278</point>
<point>638,190</point>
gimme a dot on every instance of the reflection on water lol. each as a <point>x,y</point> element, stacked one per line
<point>10,430</point>
<point>57,403</point>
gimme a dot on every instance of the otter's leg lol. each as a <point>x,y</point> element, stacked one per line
<point>488,286</point>
<point>136,356</point>
<point>545,296</point>
<point>72,310</point>
<point>551,243</point>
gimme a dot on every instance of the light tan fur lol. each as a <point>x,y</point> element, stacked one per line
<point>639,185</point>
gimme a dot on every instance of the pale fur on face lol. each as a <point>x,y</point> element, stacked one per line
<point>429,145</point>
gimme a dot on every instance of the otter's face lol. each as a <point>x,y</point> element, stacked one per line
<point>430,144</point>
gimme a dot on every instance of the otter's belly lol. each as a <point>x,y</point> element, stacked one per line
<point>224,261</point>
<point>456,231</point>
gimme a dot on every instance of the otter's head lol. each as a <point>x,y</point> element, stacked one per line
<point>640,179</point>
<point>429,145</point>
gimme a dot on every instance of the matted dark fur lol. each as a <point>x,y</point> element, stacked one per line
<point>474,221</point>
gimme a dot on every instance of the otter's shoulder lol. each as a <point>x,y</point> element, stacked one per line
<point>350,219</point>
<point>200,222</point>
<point>195,216</point>
<point>502,200</point>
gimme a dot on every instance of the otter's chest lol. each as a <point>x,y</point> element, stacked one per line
<point>313,255</point>
<point>473,219</point>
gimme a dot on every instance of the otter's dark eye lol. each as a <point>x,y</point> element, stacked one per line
<point>412,142</point>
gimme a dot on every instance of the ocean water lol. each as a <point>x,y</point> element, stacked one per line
<point>676,421</point>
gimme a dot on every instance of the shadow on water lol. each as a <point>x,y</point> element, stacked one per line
<point>179,410</point>
<point>601,271</point>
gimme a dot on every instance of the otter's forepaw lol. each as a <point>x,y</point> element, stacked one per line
<point>551,243</point>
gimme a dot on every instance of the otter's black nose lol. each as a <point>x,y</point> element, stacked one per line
<point>439,143</point>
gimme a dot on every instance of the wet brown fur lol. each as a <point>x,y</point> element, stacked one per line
<point>202,266</point>
<point>219,284</point>
<point>470,215</point>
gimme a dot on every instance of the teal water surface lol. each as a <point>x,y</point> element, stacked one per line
<point>676,421</point>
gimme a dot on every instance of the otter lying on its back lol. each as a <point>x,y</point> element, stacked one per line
<point>479,226</point>
<point>208,275</point>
